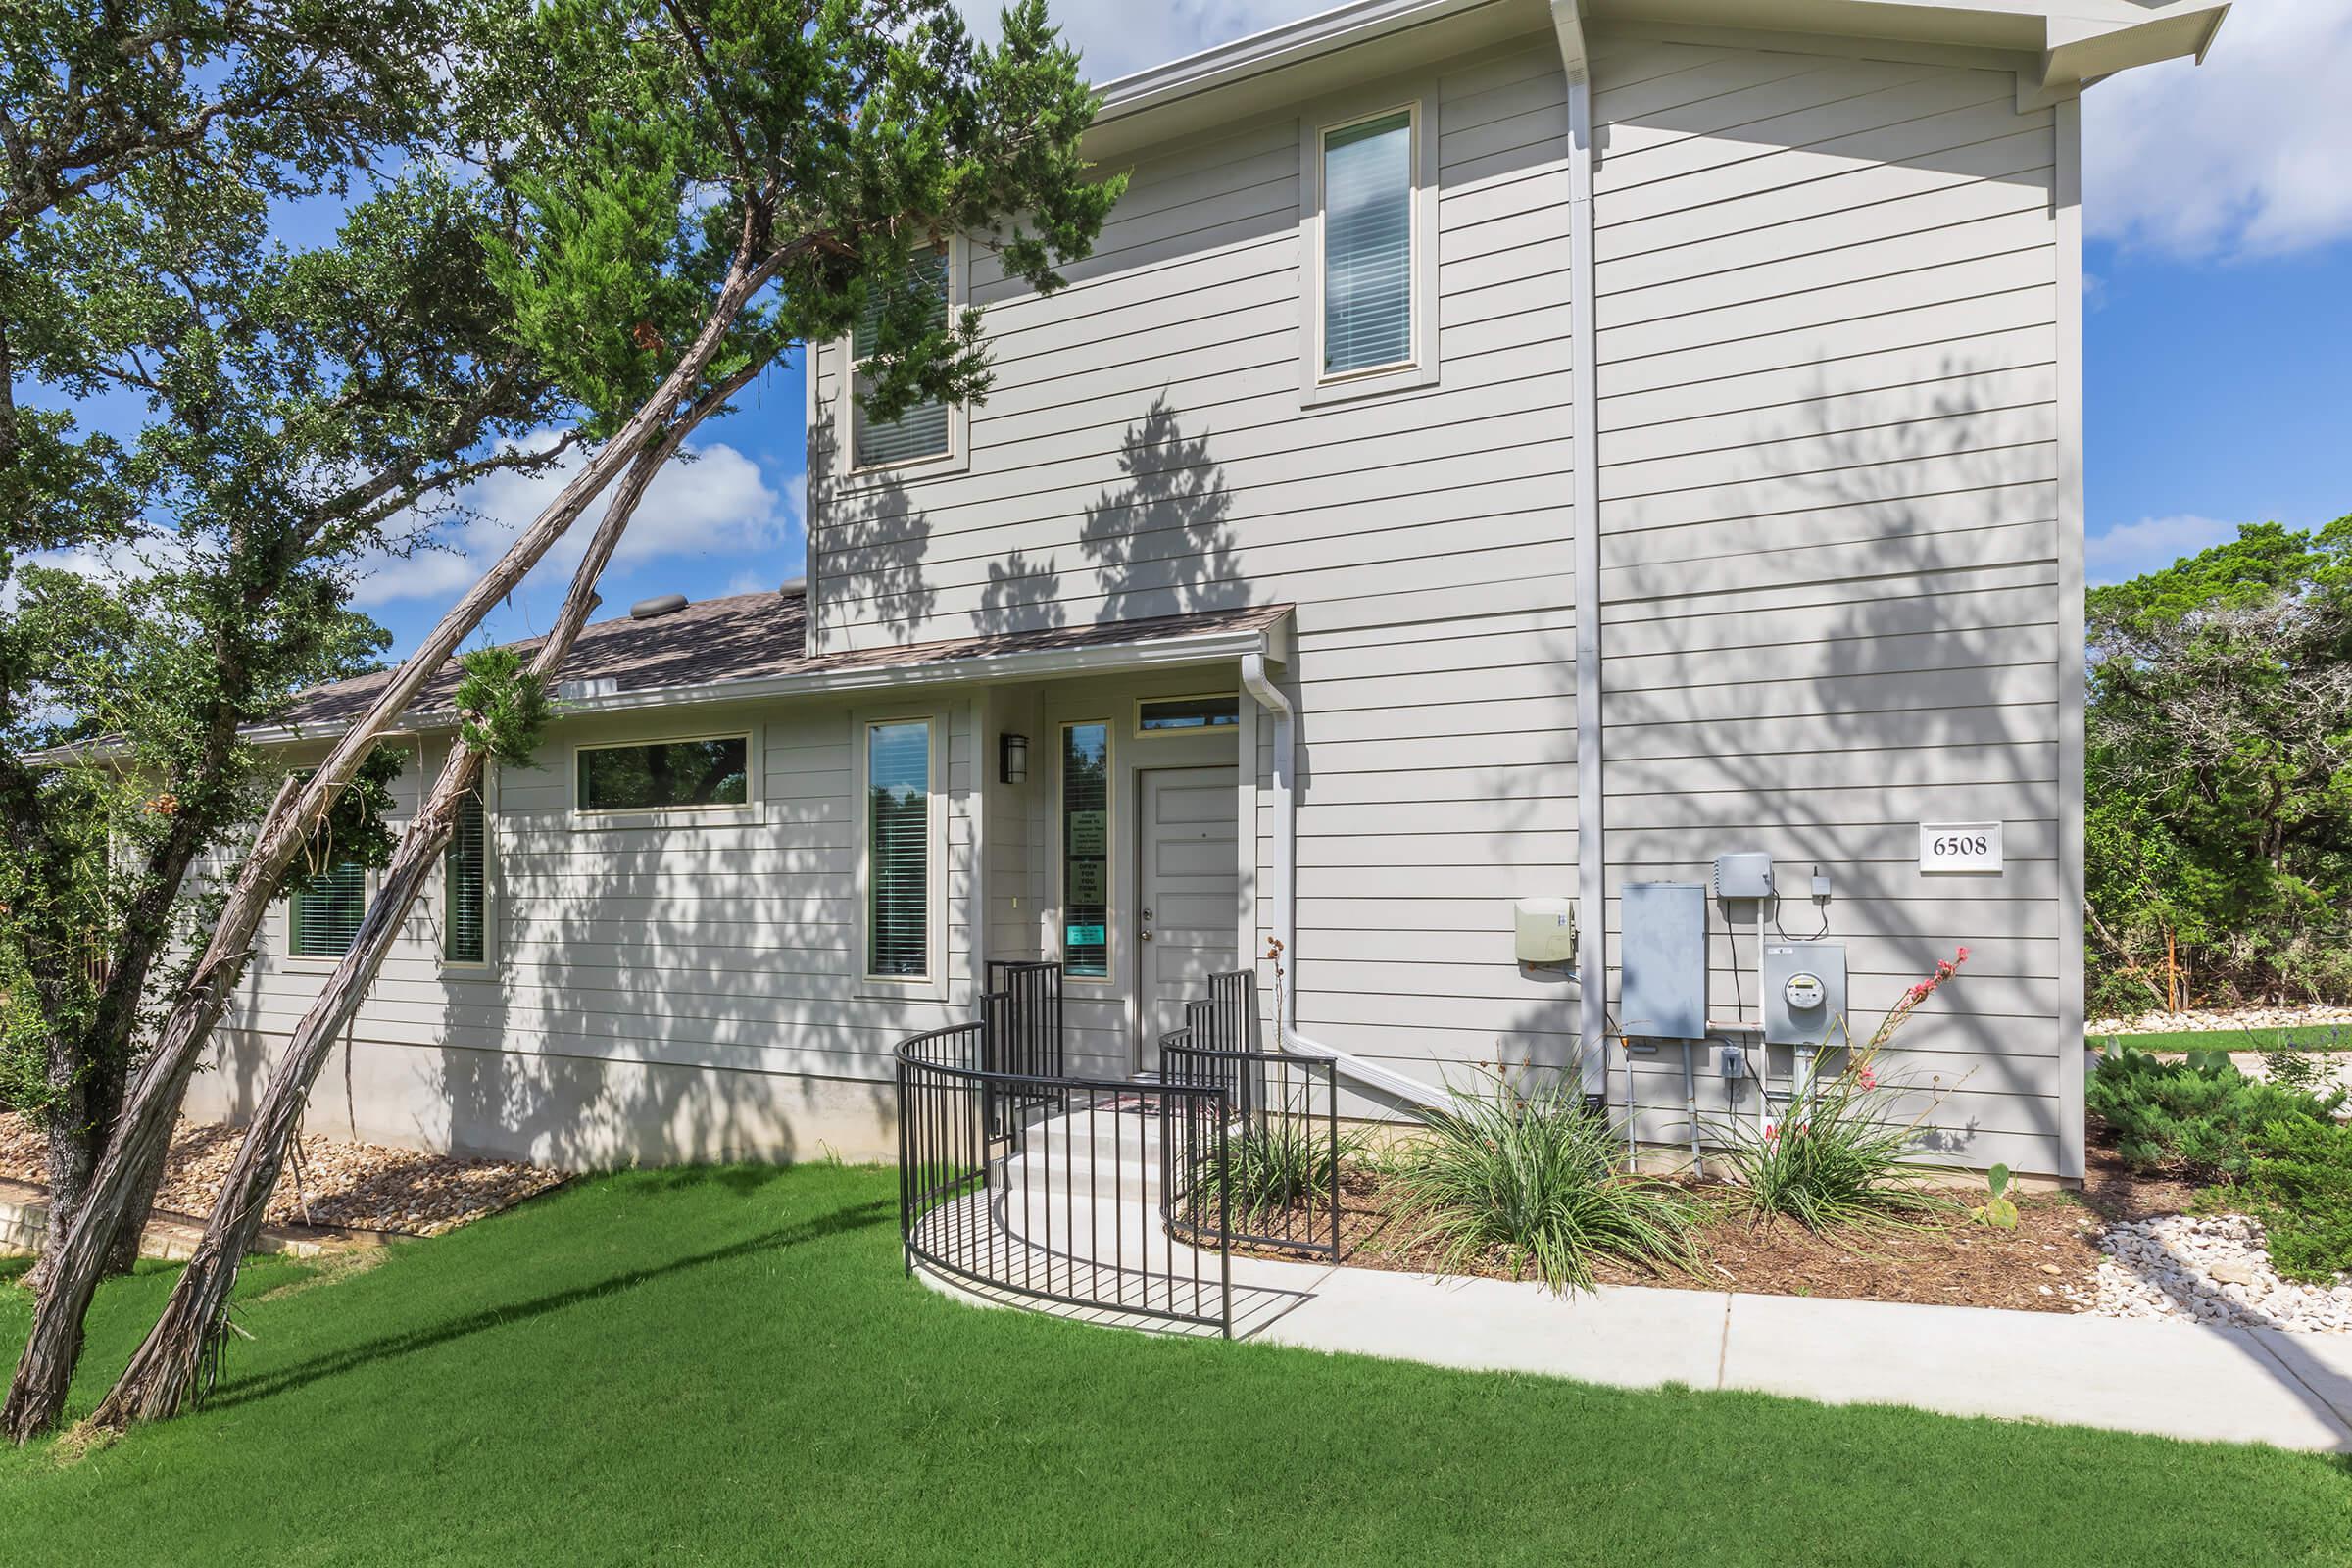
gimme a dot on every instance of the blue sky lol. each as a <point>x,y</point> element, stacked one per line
<point>2219,210</point>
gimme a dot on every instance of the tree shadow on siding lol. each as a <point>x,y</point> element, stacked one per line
<point>1891,560</point>
<point>876,534</point>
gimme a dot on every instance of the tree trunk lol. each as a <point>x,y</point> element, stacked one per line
<point>163,1374</point>
<point>37,1393</point>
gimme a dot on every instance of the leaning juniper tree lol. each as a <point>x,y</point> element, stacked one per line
<point>276,413</point>
<point>743,174</point>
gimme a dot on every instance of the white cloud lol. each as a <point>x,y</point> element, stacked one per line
<point>717,506</point>
<point>1118,38</point>
<point>2243,156</point>
<point>2132,548</point>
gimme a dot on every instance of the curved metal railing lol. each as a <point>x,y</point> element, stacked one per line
<point>1045,1187</point>
<point>1268,1175</point>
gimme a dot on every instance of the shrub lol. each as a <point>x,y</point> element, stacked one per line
<point>2299,1183</point>
<point>2195,1115</point>
<point>1834,1162</point>
<point>1536,1176</point>
<point>1284,1161</point>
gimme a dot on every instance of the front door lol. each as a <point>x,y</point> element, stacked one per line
<point>1187,893</point>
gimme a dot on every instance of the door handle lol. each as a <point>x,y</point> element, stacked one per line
<point>1145,935</point>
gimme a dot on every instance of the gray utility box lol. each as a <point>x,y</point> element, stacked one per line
<point>1804,993</point>
<point>1663,961</point>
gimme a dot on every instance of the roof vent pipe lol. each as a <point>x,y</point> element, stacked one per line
<point>658,605</point>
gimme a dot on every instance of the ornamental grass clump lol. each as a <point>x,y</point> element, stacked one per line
<point>1285,1162</point>
<point>1534,1176</point>
<point>1840,1159</point>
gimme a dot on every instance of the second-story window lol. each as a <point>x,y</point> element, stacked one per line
<point>924,431</point>
<point>1368,245</point>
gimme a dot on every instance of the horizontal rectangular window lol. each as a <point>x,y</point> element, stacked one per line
<point>1368,244</point>
<point>898,790</point>
<point>464,934</point>
<point>1177,715</point>
<point>923,430</point>
<point>666,775</point>
<point>1086,850</point>
<point>327,910</point>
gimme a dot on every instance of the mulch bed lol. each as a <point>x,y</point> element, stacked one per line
<point>2050,1259</point>
<point>334,1185</point>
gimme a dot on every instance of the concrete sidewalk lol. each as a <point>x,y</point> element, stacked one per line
<point>2177,1380</point>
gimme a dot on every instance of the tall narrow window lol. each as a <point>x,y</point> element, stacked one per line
<point>1086,850</point>
<point>327,910</point>
<point>898,790</point>
<point>1368,245</point>
<point>464,930</point>
<point>922,431</point>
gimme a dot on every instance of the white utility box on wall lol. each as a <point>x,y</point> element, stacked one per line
<point>1546,930</point>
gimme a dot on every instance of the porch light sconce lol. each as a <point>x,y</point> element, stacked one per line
<point>1012,759</point>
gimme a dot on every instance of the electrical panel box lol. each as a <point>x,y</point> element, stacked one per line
<point>1664,960</point>
<point>1804,993</point>
<point>1743,876</point>
<point>1546,930</point>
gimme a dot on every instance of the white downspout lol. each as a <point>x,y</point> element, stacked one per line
<point>1396,1085</point>
<point>1584,381</point>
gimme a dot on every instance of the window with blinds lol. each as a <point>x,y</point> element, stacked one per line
<point>465,871</point>
<point>922,431</point>
<point>326,909</point>
<point>898,791</point>
<point>1368,245</point>
<point>1086,850</point>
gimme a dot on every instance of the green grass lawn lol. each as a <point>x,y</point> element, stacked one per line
<point>2306,1036</point>
<point>727,1366</point>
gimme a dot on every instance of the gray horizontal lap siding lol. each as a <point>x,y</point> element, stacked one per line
<point>734,945</point>
<point>1827,336</point>
<point>1145,450</point>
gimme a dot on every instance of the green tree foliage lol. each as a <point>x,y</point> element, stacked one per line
<point>2219,773</point>
<point>277,415</point>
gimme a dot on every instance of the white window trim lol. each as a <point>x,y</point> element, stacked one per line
<point>1141,703</point>
<point>1315,129</point>
<point>933,984</point>
<point>1112,806</point>
<point>626,816</point>
<point>459,968</point>
<point>957,458</point>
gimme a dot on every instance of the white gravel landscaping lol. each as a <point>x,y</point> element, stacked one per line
<point>2209,1270</point>
<point>2165,1023</point>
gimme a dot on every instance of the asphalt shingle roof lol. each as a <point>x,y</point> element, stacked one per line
<point>747,637</point>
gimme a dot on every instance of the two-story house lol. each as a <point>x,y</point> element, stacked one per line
<point>1499,450</point>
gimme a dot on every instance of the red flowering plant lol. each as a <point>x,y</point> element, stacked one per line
<point>1841,1156</point>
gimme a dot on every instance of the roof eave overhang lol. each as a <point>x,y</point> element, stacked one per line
<point>1273,642</point>
<point>2063,45</point>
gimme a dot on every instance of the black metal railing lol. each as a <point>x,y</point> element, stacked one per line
<point>1040,1186</point>
<point>1269,1177</point>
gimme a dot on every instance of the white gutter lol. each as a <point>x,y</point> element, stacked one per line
<point>1286,907</point>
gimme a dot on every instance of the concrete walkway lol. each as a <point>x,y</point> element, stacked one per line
<point>2177,1380</point>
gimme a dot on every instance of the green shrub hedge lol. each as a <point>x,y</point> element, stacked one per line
<point>2197,1114</point>
<point>2299,1183</point>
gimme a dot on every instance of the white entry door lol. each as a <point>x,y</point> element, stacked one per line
<point>1188,894</point>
